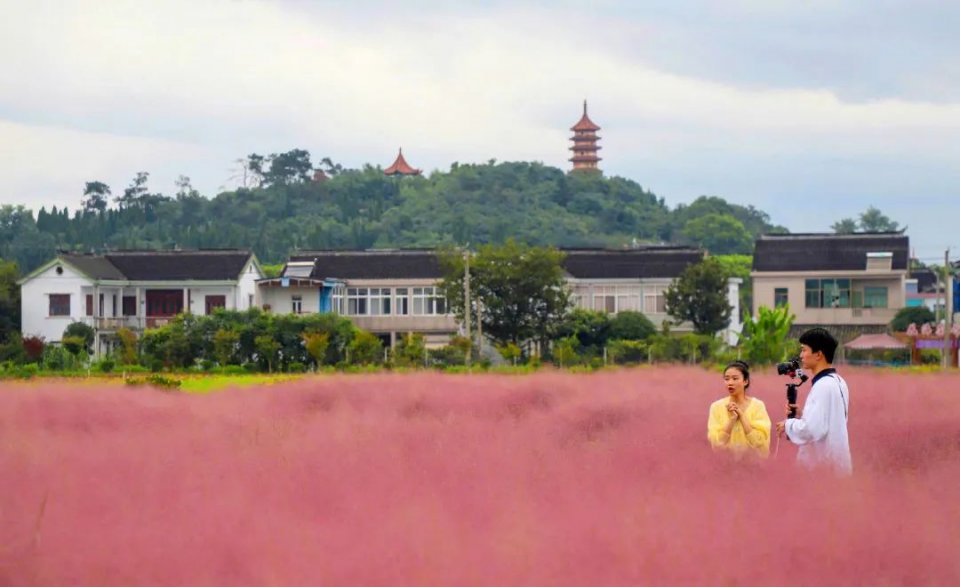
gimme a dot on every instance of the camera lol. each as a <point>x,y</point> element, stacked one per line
<point>789,367</point>
<point>792,369</point>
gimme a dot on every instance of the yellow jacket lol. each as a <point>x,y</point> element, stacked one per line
<point>759,438</point>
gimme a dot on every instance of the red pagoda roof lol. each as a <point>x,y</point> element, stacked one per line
<point>400,167</point>
<point>585,123</point>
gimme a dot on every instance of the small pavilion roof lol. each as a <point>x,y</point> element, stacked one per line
<point>401,167</point>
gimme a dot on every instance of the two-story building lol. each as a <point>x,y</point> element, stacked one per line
<point>134,289</point>
<point>393,292</point>
<point>854,283</point>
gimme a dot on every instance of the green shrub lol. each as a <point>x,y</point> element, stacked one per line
<point>631,326</point>
<point>296,367</point>
<point>365,349</point>
<point>626,352</point>
<point>104,365</point>
<point>510,352</point>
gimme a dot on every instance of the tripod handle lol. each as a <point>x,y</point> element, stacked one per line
<point>792,400</point>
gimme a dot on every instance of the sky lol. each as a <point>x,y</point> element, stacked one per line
<point>811,111</point>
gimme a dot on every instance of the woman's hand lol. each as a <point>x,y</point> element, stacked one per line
<point>734,410</point>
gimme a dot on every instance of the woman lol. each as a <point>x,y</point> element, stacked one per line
<point>739,422</point>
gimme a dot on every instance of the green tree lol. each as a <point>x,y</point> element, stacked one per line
<point>764,341</point>
<point>720,234</point>
<point>9,299</point>
<point>128,346</point>
<point>521,290</point>
<point>226,342</point>
<point>699,296</point>
<point>740,266</point>
<point>410,350</point>
<point>873,220</point>
<point>96,197</point>
<point>267,348</point>
<point>845,226</point>
<point>631,326</point>
<point>904,317</point>
<point>590,328</point>
<point>81,337</point>
<point>290,167</point>
<point>317,344</point>
<point>565,351</point>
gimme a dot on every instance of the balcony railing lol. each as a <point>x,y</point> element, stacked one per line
<point>131,322</point>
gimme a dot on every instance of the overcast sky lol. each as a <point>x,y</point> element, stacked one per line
<point>808,110</point>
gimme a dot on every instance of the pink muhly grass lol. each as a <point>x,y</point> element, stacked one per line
<point>428,479</point>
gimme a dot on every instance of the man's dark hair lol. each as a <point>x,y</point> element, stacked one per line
<point>820,340</point>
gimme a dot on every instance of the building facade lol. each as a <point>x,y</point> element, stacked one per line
<point>394,292</point>
<point>134,289</point>
<point>852,282</point>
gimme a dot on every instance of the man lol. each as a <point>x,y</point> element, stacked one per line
<point>821,430</point>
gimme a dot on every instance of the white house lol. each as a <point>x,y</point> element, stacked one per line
<point>134,289</point>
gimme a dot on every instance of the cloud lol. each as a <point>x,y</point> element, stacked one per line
<point>752,101</point>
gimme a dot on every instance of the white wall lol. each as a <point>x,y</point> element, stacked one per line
<point>198,298</point>
<point>280,299</point>
<point>248,286</point>
<point>35,302</point>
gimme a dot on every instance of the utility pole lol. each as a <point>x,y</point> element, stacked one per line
<point>947,309</point>
<point>467,310</point>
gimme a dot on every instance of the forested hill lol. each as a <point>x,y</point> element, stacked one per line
<point>363,208</point>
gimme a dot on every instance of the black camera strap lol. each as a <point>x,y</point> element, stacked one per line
<point>846,416</point>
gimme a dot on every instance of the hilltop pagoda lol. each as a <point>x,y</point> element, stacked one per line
<point>585,144</point>
<point>400,167</point>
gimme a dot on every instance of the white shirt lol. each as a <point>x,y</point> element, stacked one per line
<point>822,431</point>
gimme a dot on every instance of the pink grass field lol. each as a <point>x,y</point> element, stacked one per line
<point>427,479</point>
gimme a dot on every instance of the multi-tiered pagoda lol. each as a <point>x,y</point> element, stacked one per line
<point>585,144</point>
<point>400,167</point>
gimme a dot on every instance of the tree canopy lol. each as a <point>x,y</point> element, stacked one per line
<point>280,207</point>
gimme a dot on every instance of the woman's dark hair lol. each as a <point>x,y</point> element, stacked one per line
<point>744,369</point>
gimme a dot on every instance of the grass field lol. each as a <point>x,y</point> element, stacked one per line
<point>430,479</point>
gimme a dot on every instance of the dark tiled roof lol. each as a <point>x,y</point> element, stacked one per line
<point>202,265</point>
<point>629,263</point>
<point>424,264</point>
<point>383,264</point>
<point>927,280</point>
<point>827,252</point>
<point>96,267</point>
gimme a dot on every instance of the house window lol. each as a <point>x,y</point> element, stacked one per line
<point>163,303</point>
<point>380,301</point>
<point>113,306</point>
<point>780,297</point>
<point>296,303</point>
<point>89,311</point>
<point>427,301</point>
<point>60,304</point>
<point>654,302</point>
<point>129,305</point>
<point>874,297</point>
<point>402,301</point>
<point>101,306</point>
<point>356,301</point>
<point>211,303</point>
<point>250,300</point>
<point>827,293</point>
